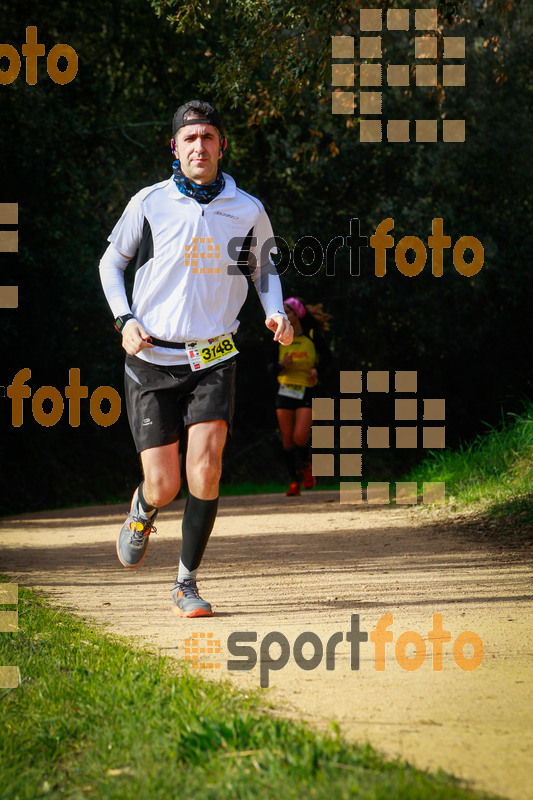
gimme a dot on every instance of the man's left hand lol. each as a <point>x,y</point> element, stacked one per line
<point>283,331</point>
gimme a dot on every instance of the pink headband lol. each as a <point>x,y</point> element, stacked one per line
<point>297,307</point>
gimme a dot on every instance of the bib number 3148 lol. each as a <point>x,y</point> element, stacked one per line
<point>210,351</point>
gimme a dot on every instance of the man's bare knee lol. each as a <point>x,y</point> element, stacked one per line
<point>208,467</point>
<point>204,457</point>
<point>160,492</point>
<point>161,470</point>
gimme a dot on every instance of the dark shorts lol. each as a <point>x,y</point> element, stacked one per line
<point>292,403</point>
<point>163,401</point>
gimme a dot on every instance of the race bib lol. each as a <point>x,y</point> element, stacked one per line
<point>291,390</point>
<point>210,351</point>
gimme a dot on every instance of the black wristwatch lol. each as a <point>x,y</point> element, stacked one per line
<point>121,321</point>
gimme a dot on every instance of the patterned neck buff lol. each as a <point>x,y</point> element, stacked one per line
<point>202,194</point>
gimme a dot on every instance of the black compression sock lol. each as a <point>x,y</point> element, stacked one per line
<point>145,507</point>
<point>303,456</point>
<point>290,462</point>
<point>198,520</point>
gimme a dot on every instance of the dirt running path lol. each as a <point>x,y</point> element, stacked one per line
<point>307,564</point>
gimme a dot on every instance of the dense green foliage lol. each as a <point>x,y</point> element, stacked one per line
<point>94,718</point>
<point>72,156</point>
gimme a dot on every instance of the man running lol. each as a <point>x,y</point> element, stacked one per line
<point>177,334</point>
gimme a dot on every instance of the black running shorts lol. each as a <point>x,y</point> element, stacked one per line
<point>293,403</point>
<point>162,401</point>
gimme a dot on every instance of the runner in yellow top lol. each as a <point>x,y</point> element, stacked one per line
<point>297,377</point>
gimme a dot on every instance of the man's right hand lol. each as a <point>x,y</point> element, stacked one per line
<point>135,338</point>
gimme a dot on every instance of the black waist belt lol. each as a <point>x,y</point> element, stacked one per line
<point>172,345</point>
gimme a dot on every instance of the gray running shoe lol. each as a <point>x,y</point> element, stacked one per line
<point>187,601</point>
<point>132,540</point>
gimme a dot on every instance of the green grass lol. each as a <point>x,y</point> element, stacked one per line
<point>493,473</point>
<point>249,487</point>
<point>95,718</point>
<point>271,487</point>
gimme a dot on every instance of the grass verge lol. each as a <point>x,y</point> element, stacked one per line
<point>249,487</point>
<point>94,718</point>
<point>271,487</point>
<point>494,473</point>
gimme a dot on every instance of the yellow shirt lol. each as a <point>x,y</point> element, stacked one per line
<point>304,358</point>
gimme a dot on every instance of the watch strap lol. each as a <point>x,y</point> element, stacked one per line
<point>121,321</point>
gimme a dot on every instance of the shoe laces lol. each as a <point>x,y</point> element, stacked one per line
<point>188,588</point>
<point>138,533</point>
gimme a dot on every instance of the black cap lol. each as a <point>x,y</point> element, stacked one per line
<point>203,112</point>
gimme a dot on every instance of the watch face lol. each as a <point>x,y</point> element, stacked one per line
<point>121,321</point>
